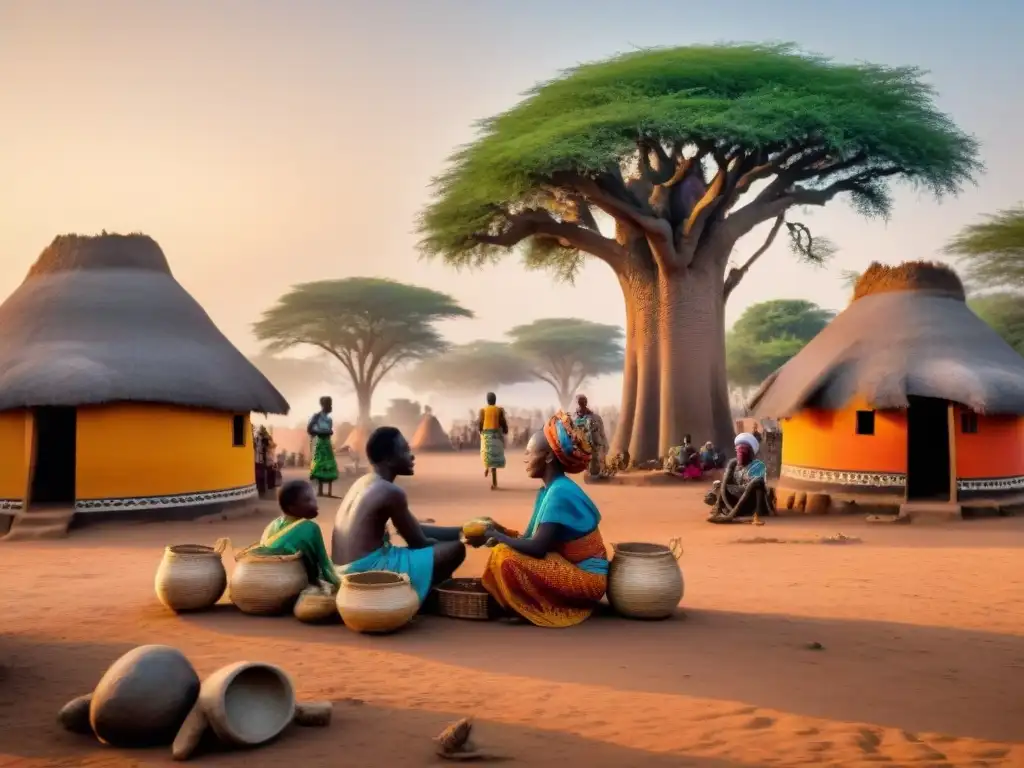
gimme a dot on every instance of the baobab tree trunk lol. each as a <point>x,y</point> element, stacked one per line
<point>674,379</point>
<point>364,395</point>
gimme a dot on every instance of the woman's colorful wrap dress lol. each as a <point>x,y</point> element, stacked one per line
<point>323,467</point>
<point>562,588</point>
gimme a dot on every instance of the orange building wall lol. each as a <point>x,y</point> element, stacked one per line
<point>828,440</point>
<point>132,450</point>
<point>995,450</point>
<point>15,454</point>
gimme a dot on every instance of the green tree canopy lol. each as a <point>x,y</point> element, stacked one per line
<point>767,335</point>
<point>1004,312</point>
<point>992,251</point>
<point>369,325</point>
<point>473,368</point>
<point>687,150</point>
<point>565,352</point>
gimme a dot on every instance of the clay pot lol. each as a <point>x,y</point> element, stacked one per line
<point>376,602</point>
<point>144,697</point>
<point>74,716</point>
<point>191,577</point>
<point>247,704</point>
<point>645,581</point>
<point>267,584</point>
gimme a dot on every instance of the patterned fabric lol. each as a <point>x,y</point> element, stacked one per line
<point>324,467</point>
<point>562,588</point>
<point>570,443</point>
<point>492,448</point>
<point>551,591</point>
<point>755,470</point>
<point>289,536</point>
<point>594,426</point>
<point>417,564</point>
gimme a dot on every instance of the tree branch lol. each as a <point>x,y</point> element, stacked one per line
<point>666,166</point>
<point>737,273</point>
<point>537,222</point>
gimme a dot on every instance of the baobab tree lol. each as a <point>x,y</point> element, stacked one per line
<point>687,150</point>
<point>368,325</point>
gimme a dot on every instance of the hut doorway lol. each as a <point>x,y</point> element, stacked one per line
<point>53,474</point>
<point>928,454</point>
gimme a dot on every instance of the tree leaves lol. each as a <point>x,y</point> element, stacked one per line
<point>369,325</point>
<point>992,251</point>
<point>767,335</point>
<point>472,368</point>
<point>767,113</point>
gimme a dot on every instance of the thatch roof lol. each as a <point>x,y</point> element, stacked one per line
<point>101,320</point>
<point>430,435</point>
<point>907,332</point>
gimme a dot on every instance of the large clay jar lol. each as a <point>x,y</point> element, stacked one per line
<point>645,580</point>
<point>191,577</point>
<point>143,699</point>
<point>376,602</point>
<point>267,584</point>
<point>248,704</point>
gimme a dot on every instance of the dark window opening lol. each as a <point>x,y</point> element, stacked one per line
<point>969,422</point>
<point>865,422</point>
<point>238,431</point>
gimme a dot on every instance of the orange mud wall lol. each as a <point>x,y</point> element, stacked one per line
<point>995,450</point>
<point>135,450</point>
<point>16,446</point>
<point>818,439</point>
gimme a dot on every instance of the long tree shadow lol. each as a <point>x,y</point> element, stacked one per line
<point>930,679</point>
<point>37,678</point>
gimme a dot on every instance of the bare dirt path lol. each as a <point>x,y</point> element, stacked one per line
<point>922,631</point>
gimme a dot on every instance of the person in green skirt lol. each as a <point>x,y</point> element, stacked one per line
<point>324,467</point>
<point>296,532</point>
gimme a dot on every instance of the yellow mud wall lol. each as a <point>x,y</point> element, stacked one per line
<point>995,450</point>
<point>133,450</point>
<point>15,453</point>
<point>820,439</point>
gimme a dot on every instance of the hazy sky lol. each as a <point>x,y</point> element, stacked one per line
<point>268,143</point>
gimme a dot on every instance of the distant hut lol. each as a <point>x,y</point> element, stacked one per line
<point>117,391</point>
<point>355,443</point>
<point>430,435</point>
<point>906,398</point>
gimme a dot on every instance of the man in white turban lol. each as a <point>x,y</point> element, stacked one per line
<point>742,491</point>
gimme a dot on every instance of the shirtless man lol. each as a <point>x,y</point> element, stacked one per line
<point>361,542</point>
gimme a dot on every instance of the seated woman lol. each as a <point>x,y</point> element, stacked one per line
<point>742,491</point>
<point>295,532</point>
<point>557,571</point>
<point>361,541</point>
<point>709,458</point>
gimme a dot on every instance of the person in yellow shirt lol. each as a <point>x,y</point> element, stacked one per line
<point>493,426</point>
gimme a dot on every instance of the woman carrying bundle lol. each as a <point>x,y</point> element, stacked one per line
<point>555,573</point>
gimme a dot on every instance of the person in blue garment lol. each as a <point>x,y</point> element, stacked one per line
<point>742,492</point>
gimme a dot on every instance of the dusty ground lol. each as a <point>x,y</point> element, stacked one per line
<point>922,628</point>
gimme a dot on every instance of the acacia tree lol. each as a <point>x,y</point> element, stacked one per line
<point>293,375</point>
<point>686,150</point>
<point>472,368</point>
<point>993,250</point>
<point>368,324</point>
<point>565,352</point>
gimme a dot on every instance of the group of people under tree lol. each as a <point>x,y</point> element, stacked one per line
<point>551,574</point>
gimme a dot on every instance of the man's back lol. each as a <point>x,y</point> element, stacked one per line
<point>362,517</point>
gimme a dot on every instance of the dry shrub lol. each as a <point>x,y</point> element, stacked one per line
<point>908,276</point>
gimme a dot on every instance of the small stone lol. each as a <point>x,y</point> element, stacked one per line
<point>815,647</point>
<point>74,716</point>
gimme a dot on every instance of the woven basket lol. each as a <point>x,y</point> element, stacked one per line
<point>191,577</point>
<point>247,703</point>
<point>267,584</point>
<point>464,599</point>
<point>316,605</point>
<point>645,581</point>
<point>376,602</point>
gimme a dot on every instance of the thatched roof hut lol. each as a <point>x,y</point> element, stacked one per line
<point>102,320</point>
<point>102,349</point>
<point>863,401</point>
<point>430,435</point>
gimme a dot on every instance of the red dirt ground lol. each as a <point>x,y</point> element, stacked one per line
<point>922,664</point>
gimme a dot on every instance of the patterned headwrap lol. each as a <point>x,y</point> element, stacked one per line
<point>569,442</point>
